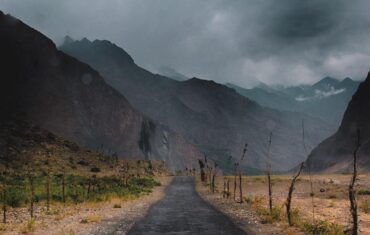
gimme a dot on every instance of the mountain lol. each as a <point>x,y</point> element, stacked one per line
<point>171,73</point>
<point>214,118</point>
<point>69,98</point>
<point>335,153</point>
<point>326,99</point>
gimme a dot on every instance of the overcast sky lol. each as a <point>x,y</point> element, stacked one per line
<point>241,41</point>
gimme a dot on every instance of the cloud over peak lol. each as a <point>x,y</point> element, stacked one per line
<point>242,41</point>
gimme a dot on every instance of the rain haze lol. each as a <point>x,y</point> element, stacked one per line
<point>285,42</point>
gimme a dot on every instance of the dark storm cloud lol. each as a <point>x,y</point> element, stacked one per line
<point>240,41</point>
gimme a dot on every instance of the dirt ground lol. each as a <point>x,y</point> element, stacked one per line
<point>85,218</point>
<point>330,200</point>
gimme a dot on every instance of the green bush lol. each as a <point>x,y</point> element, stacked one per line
<point>13,196</point>
<point>323,228</point>
<point>16,190</point>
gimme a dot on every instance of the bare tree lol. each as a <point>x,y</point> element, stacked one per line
<point>290,193</point>
<point>227,188</point>
<point>214,174</point>
<point>31,178</point>
<point>240,175</point>
<point>268,172</point>
<point>309,174</point>
<point>138,163</point>
<point>64,186</point>
<point>4,195</point>
<point>240,188</point>
<point>125,174</point>
<point>351,188</point>
<point>48,155</point>
<point>31,174</point>
<point>202,174</point>
<point>235,173</point>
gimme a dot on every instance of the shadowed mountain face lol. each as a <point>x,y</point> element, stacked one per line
<point>335,153</point>
<point>213,117</point>
<point>69,98</point>
<point>326,99</point>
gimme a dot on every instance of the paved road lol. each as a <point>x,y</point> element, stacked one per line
<point>182,211</point>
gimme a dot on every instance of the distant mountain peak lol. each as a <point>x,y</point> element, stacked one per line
<point>347,79</point>
<point>348,82</point>
<point>195,80</point>
<point>85,40</point>
<point>68,40</point>
<point>103,47</point>
<point>326,81</point>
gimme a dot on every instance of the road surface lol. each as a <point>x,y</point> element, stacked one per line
<point>182,211</point>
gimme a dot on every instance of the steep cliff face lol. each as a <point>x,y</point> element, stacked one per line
<point>335,153</point>
<point>211,116</point>
<point>68,97</point>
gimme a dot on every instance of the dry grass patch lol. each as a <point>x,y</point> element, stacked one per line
<point>91,219</point>
<point>29,227</point>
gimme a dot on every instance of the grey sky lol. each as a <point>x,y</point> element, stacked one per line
<point>239,41</point>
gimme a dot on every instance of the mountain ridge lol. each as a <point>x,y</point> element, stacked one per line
<point>211,116</point>
<point>325,99</point>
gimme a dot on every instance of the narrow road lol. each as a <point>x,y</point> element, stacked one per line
<point>182,211</point>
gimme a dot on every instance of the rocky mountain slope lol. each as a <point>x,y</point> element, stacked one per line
<point>326,99</point>
<point>24,146</point>
<point>335,153</point>
<point>68,97</point>
<point>211,116</point>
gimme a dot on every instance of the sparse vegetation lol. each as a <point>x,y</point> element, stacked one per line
<point>330,194</point>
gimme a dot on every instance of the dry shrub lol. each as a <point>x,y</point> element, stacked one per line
<point>29,227</point>
<point>322,228</point>
<point>268,218</point>
<point>116,206</point>
<point>365,206</point>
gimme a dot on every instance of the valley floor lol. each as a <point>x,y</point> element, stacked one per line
<point>89,217</point>
<point>330,198</point>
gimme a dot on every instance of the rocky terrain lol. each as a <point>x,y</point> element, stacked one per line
<point>69,98</point>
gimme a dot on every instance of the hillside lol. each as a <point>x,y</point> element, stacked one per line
<point>69,98</point>
<point>211,116</point>
<point>25,146</point>
<point>335,153</point>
